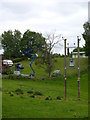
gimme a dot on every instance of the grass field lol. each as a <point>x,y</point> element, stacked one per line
<point>46,97</point>
<point>40,69</point>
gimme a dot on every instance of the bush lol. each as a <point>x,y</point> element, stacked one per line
<point>30,91</point>
<point>55,60</point>
<point>48,98</point>
<point>32,96</point>
<point>58,98</point>
<point>8,71</point>
<point>17,60</point>
<point>19,91</point>
<point>11,95</point>
<point>38,93</point>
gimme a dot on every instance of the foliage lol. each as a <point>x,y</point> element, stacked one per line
<point>86,36</point>
<point>17,60</point>
<point>11,43</point>
<point>56,55</point>
<point>31,42</point>
<point>8,70</point>
<point>30,91</point>
<point>48,98</point>
<point>38,93</point>
<point>17,45</point>
<point>58,98</point>
<point>19,91</point>
<point>80,49</point>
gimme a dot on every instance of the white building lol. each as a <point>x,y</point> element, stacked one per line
<point>81,55</point>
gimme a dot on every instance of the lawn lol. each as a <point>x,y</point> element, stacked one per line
<point>44,98</point>
<point>26,106</point>
<point>40,68</point>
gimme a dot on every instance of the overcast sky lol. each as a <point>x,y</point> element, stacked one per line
<point>66,18</point>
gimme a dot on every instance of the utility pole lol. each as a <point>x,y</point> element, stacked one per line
<point>78,70</point>
<point>65,68</point>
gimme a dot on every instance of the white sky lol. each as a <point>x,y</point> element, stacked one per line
<point>66,18</point>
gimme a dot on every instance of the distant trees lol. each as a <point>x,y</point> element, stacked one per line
<point>81,49</point>
<point>86,36</point>
<point>15,44</point>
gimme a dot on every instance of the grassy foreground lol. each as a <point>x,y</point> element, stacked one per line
<point>31,105</point>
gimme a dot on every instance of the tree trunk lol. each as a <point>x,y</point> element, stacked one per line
<point>49,73</point>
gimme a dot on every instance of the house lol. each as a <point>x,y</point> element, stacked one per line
<point>81,54</point>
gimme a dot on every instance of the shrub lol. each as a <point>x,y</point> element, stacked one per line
<point>19,91</point>
<point>55,60</point>
<point>38,93</point>
<point>30,91</point>
<point>58,98</point>
<point>48,98</point>
<point>11,95</point>
<point>32,96</point>
<point>17,60</point>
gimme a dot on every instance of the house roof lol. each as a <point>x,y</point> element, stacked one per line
<point>77,52</point>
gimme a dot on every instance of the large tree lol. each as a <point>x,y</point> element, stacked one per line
<point>32,42</point>
<point>86,36</point>
<point>11,43</point>
<point>51,41</point>
<point>16,46</point>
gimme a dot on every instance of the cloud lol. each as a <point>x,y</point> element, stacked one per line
<point>66,18</point>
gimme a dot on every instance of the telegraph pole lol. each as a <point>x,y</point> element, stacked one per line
<point>65,68</point>
<point>78,70</point>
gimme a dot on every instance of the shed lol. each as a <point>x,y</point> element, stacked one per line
<point>75,54</point>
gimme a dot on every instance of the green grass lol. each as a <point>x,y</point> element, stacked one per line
<point>0,97</point>
<point>40,71</point>
<point>25,106</point>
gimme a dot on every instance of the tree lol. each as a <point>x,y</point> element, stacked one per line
<point>81,49</point>
<point>86,36</point>
<point>51,41</point>
<point>15,46</point>
<point>16,42</point>
<point>7,43</point>
<point>11,43</point>
<point>31,42</point>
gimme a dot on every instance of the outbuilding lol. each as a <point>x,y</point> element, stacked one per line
<point>81,54</point>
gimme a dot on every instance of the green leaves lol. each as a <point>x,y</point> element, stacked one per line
<point>15,44</point>
<point>11,43</point>
<point>32,41</point>
<point>86,36</point>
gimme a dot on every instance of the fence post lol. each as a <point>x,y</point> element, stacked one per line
<point>78,70</point>
<point>65,68</point>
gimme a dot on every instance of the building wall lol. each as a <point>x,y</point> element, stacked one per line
<point>76,56</point>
